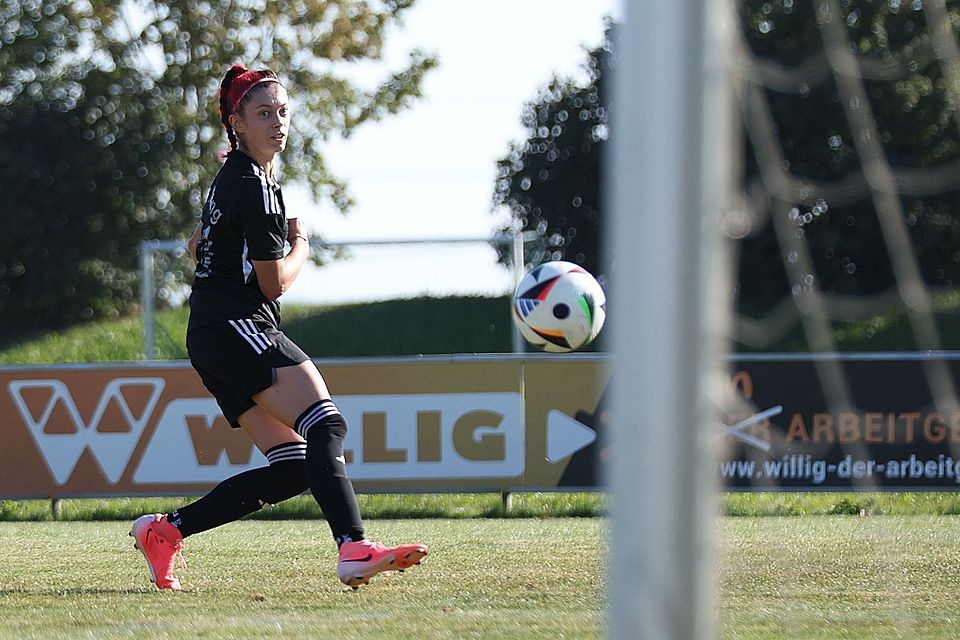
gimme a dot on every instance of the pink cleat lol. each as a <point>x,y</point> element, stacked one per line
<point>360,561</point>
<point>161,544</point>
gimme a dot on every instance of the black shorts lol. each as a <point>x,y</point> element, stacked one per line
<point>238,359</point>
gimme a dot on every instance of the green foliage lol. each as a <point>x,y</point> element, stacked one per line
<point>557,504</point>
<point>373,506</point>
<point>552,182</point>
<point>406,327</point>
<point>110,119</point>
<point>845,506</point>
<point>831,503</point>
<point>411,327</point>
<point>103,341</point>
<point>915,110</point>
<point>888,330</point>
<point>464,324</point>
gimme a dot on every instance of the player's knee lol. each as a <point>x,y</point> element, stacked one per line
<point>337,425</point>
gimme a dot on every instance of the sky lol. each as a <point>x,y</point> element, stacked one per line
<point>406,175</point>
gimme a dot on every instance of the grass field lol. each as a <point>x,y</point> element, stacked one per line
<point>527,578</point>
<point>790,577</point>
<point>788,565</point>
<point>428,505</point>
<point>553,504</point>
<point>840,577</point>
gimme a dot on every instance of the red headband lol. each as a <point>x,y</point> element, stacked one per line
<point>243,83</point>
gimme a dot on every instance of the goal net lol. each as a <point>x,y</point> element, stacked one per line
<point>815,237</point>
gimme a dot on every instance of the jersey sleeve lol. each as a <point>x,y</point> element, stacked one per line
<point>262,220</point>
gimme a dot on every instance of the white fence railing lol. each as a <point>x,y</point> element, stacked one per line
<point>149,248</point>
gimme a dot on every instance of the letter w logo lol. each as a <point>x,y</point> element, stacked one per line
<point>62,444</point>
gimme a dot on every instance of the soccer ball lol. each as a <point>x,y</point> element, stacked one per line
<point>559,307</point>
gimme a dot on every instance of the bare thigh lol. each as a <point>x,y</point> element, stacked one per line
<point>265,430</point>
<point>295,389</point>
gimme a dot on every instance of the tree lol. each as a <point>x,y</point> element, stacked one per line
<point>915,106</point>
<point>109,116</point>
<point>552,182</point>
<point>915,109</point>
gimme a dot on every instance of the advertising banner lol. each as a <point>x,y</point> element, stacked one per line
<point>857,422</point>
<point>471,423</point>
<point>485,423</point>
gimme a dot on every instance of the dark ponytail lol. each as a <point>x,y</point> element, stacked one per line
<point>225,85</point>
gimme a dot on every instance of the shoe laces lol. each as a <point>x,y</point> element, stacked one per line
<point>177,547</point>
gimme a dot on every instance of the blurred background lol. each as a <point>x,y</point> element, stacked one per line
<point>403,112</point>
<point>422,120</point>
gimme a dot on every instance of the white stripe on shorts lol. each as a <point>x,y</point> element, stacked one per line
<point>259,336</point>
<point>248,332</point>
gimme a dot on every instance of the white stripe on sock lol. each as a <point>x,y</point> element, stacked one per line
<point>324,409</point>
<point>301,455</point>
<point>289,446</point>
<point>294,451</point>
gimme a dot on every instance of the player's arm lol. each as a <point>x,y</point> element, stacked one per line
<point>276,276</point>
<point>194,241</point>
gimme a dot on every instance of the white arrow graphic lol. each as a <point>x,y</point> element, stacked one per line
<point>566,436</point>
<point>737,432</point>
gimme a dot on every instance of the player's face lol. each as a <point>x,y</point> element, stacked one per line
<point>264,121</point>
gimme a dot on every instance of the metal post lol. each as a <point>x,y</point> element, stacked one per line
<point>56,508</point>
<point>146,295</point>
<point>519,270</point>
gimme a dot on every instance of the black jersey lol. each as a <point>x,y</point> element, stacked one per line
<point>244,219</point>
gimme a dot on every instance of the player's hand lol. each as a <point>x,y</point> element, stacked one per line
<point>295,230</point>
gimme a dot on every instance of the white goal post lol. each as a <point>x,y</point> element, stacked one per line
<point>672,119</point>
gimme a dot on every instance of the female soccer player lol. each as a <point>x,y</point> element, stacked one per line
<point>262,381</point>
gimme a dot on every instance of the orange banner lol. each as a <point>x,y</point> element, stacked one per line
<point>455,423</point>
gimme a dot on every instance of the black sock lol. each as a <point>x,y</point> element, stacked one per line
<point>244,493</point>
<point>324,429</point>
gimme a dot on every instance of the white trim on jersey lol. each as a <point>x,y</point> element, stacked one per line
<point>248,331</point>
<point>270,204</point>
<point>273,198</point>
